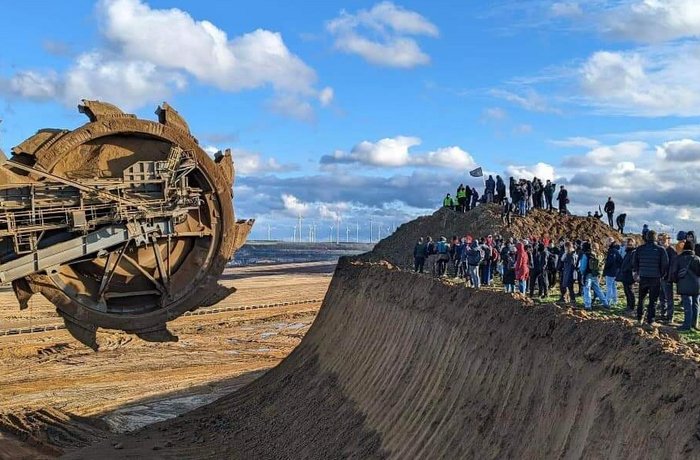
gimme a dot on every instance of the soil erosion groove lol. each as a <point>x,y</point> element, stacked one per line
<point>404,366</point>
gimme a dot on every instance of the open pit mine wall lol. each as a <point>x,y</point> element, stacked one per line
<point>435,371</point>
<point>399,365</point>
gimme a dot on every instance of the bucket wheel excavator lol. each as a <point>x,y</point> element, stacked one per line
<point>122,223</point>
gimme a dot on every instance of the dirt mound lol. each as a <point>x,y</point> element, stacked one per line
<point>401,365</point>
<point>483,221</point>
<point>51,431</point>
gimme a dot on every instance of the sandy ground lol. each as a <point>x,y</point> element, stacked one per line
<point>49,379</point>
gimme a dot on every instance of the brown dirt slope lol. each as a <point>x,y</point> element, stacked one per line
<point>483,221</point>
<point>400,365</point>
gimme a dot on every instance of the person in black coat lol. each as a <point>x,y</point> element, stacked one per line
<point>686,272</point>
<point>538,275</point>
<point>620,221</point>
<point>613,262</point>
<point>651,264</point>
<point>626,273</point>
<point>666,292</point>
<point>610,210</point>
<point>563,199</point>
<point>567,266</point>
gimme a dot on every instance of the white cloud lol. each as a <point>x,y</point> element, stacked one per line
<point>293,206</point>
<point>565,10</point>
<point>681,151</point>
<point>129,84</point>
<point>606,155</point>
<point>394,152</point>
<point>383,35</point>
<point>540,170</point>
<point>645,82</point>
<point>385,152</point>
<point>33,85</point>
<point>247,163</point>
<point>149,53</point>
<point>651,21</point>
<point>171,38</point>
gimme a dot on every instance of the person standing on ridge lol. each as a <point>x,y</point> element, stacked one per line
<point>475,197</point>
<point>686,272</point>
<point>448,202</point>
<point>567,266</point>
<point>443,253</point>
<point>610,211</point>
<point>666,307</point>
<point>563,199</point>
<point>589,267</point>
<point>613,264</point>
<point>461,198</point>
<point>626,275</point>
<point>490,189</point>
<point>500,190</point>
<point>419,256</point>
<point>549,190</point>
<point>522,267</point>
<point>651,264</point>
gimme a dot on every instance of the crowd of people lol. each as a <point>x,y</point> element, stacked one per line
<point>519,197</point>
<point>537,266</point>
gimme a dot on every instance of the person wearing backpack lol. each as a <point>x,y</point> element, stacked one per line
<point>474,258</point>
<point>651,264</point>
<point>443,252</point>
<point>590,268</point>
<point>685,271</point>
<point>613,263</point>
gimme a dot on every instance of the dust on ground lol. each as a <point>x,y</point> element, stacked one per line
<point>57,395</point>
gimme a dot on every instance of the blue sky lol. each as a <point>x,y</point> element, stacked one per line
<point>355,109</point>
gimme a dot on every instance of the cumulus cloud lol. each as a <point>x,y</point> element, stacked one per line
<point>394,152</point>
<point>247,162</point>
<point>681,151</point>
<point>383,35</point>
<point>651,21</point>
<point>540,170</point>
<point>645,82</point>
<point>150,53</point>
<point>606,155</point>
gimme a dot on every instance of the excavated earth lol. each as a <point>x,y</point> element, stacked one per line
<point>400,365</point>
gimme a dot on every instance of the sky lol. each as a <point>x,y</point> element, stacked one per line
<point>346,111</point>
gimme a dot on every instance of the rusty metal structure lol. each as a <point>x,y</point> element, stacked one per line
<point>122,223</point>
